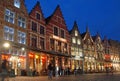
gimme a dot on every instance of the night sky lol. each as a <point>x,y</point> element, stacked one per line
<point>101,16</point>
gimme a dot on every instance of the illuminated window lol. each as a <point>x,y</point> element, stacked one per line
<point>76,33</point>
<point>21,37</point>
<point>78,41</point>
<point>72,51</point>
<point>73,40</point>
<point>8,33</point>
<point>9,16</point>
<point>17,3</point>
<point>80,53</point>
<point>65,49</point>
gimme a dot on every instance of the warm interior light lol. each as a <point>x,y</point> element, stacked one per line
<point>30,55</point>
<point>36,56</point>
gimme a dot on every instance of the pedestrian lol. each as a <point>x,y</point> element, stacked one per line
<point>34,73</point>
<point>75,71</point>
<point>4,68</point>
<point>107,70</point>
<point>50,71</point>
<point>112,70</point>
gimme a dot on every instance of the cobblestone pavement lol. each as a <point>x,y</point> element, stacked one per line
<point>85,77</point>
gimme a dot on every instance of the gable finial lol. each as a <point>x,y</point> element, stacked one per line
<point>87,29</point>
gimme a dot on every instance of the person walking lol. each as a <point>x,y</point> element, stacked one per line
<point>4,68</point>
<point>107,70</point>
<point>112,70</point>
<point>75,71</point>
<point>50,71</point>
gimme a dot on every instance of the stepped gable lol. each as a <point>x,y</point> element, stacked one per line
<point>57,18</point>
<point>37,8</point>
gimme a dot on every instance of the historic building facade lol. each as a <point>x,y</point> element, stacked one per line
<point>115,54</point>
<point>107,54</point>
<point>77,58</point>
<point>13,32</point>
<point>37,40</point>
<point>57,40</point>
<point>99,53</point>
<point>89,52</point>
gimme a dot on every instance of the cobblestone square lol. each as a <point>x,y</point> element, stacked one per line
<point>84,77</point>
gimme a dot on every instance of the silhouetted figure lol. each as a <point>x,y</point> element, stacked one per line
<point>4,68</point>
<point>107,70</point>
<point>75,71</point>
<point>50,71</point>
<point>112,70</point>
<point>34,73</point>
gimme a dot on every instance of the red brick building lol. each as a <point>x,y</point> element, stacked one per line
<point>37,39</point>
<point>48,40</point>
<point>57,40</point>
<point>13,30</point>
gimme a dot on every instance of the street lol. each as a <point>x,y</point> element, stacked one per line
<point>85,77</point>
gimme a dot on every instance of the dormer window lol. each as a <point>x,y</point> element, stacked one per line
<point>17,3</point>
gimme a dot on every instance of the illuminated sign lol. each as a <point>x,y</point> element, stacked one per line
<point>58,38</point>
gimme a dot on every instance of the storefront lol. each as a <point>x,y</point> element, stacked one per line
<point>16,63</point>
<point>40,61</point>
<point>37,61</point>
<point>76,64</point>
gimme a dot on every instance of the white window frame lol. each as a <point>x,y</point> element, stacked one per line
<point>21,21</point>
<point>9,16</point>
<point>8,33</point>
<point>21,36</point>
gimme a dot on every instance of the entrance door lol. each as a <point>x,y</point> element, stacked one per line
<point>14,63</point>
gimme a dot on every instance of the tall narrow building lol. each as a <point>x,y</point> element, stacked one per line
<point>115,54</point>
<point>13,32</point>
<point>37,40</point>
<point>58,40</point>
<point>99,53</point>
<point>107,55</point>
<point>76,48</point>
<point>89,52</point>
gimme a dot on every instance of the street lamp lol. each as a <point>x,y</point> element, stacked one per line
<point>6,45</point>
<point>23,49</point>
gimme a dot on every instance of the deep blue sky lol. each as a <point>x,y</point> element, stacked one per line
<point>101,16</point>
